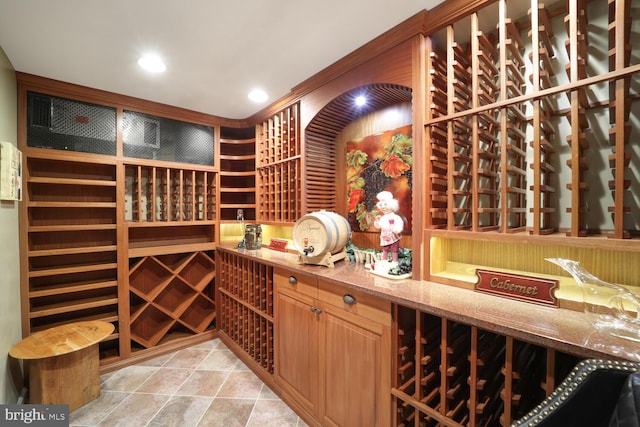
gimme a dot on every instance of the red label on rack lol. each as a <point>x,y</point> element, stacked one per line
<point>525,288</point>
<point>278,245</point>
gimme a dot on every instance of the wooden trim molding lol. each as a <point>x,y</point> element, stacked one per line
<point>450,11</point>
<point>424,22</point>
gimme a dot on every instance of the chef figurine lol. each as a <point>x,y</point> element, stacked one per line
<point>390,225</point>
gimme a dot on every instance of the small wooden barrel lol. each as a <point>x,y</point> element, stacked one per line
<point>319,233</point>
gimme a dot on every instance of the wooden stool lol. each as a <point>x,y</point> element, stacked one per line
<point>63,363</point>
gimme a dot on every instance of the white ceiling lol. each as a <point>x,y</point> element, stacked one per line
<point>215,51</point>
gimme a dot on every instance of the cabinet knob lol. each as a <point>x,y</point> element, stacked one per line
<point>349,299</point>
<point>293,280</point>
<point>316,310</point>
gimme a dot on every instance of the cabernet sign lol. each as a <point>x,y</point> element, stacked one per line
<point>524,288</point>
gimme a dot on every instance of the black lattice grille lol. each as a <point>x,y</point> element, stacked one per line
<point>151,137</point>
<point>64,124</point>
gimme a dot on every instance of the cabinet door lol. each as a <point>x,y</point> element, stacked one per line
<point>296,343</point>
<point>356,375</point>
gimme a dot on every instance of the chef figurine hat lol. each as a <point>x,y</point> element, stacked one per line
<point>387,197</point>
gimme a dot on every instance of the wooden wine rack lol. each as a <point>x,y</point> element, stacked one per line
<point>171,293</point>
<point>496,130</point>
<point>513,124</point>
<point>437,135</point>
<point>459,145</point>
<point>165,194</point>
<point>619,110</point>
<point>576,45</point>
<point>450,373</point>
<point>245,305</point>
<point>114,238</point>
<point>279,138</point>
<point>279,167</point>
<point>71,243</point>
<point>237,174</point>
<point>485,143</point>
<point>543,130</point>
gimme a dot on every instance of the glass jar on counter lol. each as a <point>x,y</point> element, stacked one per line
<point>253,236</point>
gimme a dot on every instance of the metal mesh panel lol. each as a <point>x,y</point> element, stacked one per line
<point>64,124</point>
<point>158,138</point>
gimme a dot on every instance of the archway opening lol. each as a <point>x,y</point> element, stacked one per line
<point>324,186</point>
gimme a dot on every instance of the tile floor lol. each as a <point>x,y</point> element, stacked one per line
<point>204,385</point>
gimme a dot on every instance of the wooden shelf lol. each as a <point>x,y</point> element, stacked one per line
<point>71,269</point>
<point>41,167</point>
<point>71,251</point>
<point>238,190</point>
<point>169,224</point>
<point>110,315</point>
<point>237,205</point>
<point>242,173</point>
<point>249,158</point>
<point>237,174</point>
<point>160,249</point>
<point>79,227</point>
<point>70,181</point>
<point>74,205</point>
<point>66,288</point>
<point>71,241</point>
<point>178,236</point>
<point>72,306</point>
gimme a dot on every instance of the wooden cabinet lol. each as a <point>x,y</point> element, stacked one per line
<point>344,356</point>
<point>297,337</point>
<point>355,369</point>
<point>332,350</point>
<point>297,348</point>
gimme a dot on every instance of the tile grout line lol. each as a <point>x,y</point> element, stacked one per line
<point>254,406</point>
<point>174,391</point>
<point>213,398</point>
<point>154,368</point>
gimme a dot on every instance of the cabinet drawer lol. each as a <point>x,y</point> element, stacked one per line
<point>295,281</point>
<point>358,303</point>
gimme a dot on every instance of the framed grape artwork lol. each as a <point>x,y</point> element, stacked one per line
<point>375,163</point>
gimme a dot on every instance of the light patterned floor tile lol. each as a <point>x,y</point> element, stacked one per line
<point>204,385</point>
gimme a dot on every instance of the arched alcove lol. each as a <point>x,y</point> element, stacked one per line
<point>320,189</point>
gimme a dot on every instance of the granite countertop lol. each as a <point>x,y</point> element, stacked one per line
<point>561,329</point>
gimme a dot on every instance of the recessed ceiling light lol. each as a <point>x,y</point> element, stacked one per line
<point>361,100</point>
<point>152,63</point>
<point>258,95</point>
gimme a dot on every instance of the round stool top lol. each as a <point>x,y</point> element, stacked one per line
<point>61,339</point>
